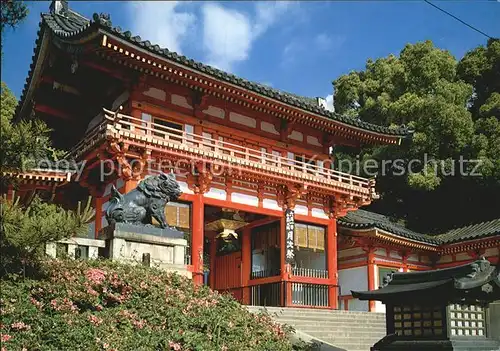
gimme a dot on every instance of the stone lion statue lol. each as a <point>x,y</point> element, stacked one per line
<point>145,202</point>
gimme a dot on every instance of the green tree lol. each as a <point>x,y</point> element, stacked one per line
<point>481,68</point>
<point>13,12</point>
<point>23,143</point>
<point>424,88</point>
<point>26,229</point>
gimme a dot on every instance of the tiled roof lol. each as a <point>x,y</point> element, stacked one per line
<point>362,219</point>
<point>70,24</point>
<point>474,231</point>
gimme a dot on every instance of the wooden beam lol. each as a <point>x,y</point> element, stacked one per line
<point>101,67</point>
<point>53,112</point>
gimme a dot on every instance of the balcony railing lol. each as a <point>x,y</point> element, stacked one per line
<point>163,136</point>
<point>309,272</point>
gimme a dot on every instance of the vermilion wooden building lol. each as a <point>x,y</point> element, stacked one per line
<point>248,158</point>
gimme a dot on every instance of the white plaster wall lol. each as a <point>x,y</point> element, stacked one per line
<point>241,119</point>
<point>300,209</point>
<point>184,188</point>
<point>353,279</point>
<point>296,135</point>
<point>445,259</point>
<point>180,100</point>
<point>156,93</point>
<point>395,254</point>
<point>313,140</point>
<point>268,127</point>
<point>351,252</point>
<point>245,199</point>
<point>380,252</point>
<point>357,305</point>
<point>216,193</point>
<point>319,213</point>
<point>413,257</point>
<point>271,204</point>
<point>214,111</point>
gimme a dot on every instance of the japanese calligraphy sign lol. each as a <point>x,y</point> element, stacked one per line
<point>289,235</point>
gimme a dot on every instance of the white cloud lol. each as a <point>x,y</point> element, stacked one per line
<point>303,47</point>
<point>161,22</point>
<point>329,103</point>
<point>228,35</point>
<point>323,41</point>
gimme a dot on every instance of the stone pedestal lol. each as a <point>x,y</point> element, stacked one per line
<point>151,246</point>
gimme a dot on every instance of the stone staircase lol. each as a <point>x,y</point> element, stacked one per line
<point>342,330</point>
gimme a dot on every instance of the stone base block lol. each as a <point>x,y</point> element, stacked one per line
<point>132,244</point>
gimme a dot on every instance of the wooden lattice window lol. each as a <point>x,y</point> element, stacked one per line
<point>419,321</point>
<point>309,236</point>
<point>467,320</point>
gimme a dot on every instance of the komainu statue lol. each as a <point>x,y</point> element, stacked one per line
<point>145,202</point>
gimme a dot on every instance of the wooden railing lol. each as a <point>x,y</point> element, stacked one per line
<point>157,133</point>
<point>309,272</point>
<point>310,294</point>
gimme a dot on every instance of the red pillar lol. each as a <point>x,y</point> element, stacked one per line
<point>331,256</point>
<point>246,263</point>
<point>98,202</point>
<point>371,275</point>
<point>197,239</point>
<point>286,299</point>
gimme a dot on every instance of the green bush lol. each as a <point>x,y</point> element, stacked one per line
<point>101,305</point>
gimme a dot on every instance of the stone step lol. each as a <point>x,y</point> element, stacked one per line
<point>332,320</point>
<point>346,330</point>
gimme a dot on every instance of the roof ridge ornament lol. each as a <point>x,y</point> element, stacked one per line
<point>59,7</point>
<point>102,18</point>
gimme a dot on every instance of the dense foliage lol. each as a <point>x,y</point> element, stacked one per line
<point>453,108</point>
<point>105,306</point>
<point>26,229</point>
<point>24,143</point>
<point>13,12</point>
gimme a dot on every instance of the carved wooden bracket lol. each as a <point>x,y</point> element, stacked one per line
<point>289,194</point>
<point>200,178</point>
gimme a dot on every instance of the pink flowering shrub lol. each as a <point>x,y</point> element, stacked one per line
<point>107,306</point>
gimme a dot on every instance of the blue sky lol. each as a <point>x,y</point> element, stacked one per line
<point>299,47</point>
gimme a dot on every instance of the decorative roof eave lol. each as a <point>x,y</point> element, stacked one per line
<point>42,43</point>
<point>471,245</point>
<point>360,226</point>
<point>41,50</point>
<point>390,238</point>
<point>45,175</point>
<point>276,107</point>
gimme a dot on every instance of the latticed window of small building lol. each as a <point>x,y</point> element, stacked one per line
<point>419,321</point>
<point>467,320</point>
